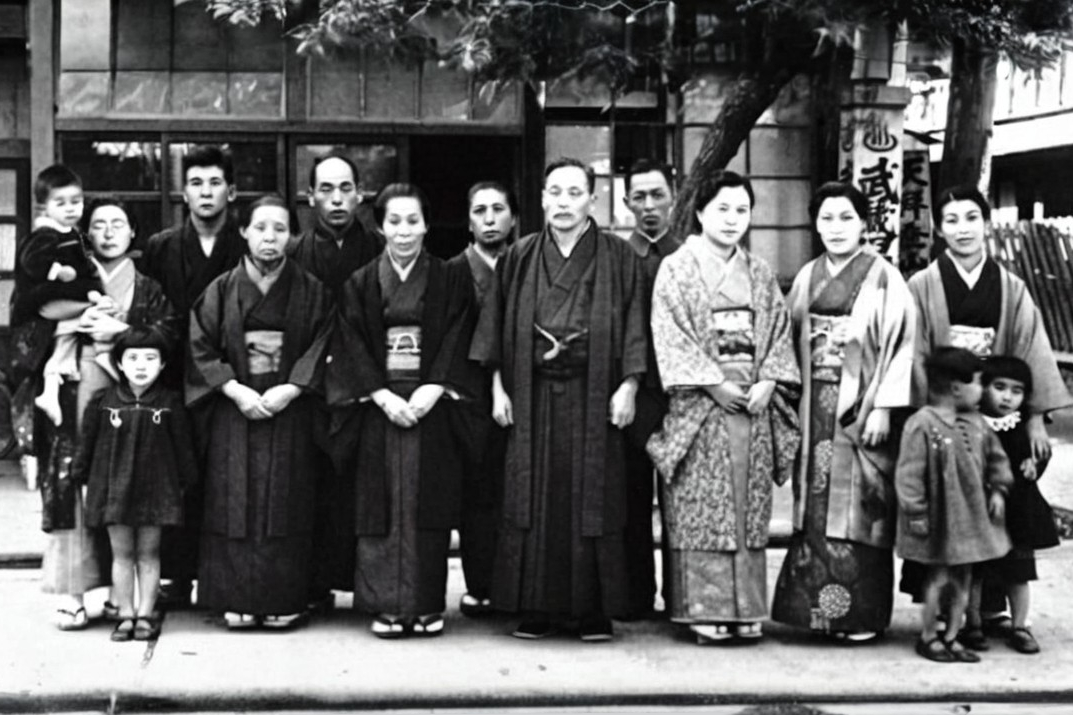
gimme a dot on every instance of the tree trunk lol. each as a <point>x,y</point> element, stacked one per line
<point>969,114</point>
<point>749,97</point>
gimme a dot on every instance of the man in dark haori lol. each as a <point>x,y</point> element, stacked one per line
<point>332,249</point>
<point>564,328</point>
<point>650,197</point>
<point>184,259</point>
<point>492,212</point>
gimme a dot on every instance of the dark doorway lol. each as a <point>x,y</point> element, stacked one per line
<point>445,166</point>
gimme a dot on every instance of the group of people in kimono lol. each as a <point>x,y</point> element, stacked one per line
<point>351,398</point>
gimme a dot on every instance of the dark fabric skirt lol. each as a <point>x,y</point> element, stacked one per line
<point>482,491</point>
<point>257,574</point>
<point>825,584</point>
<point>551,567</point>
<point>404,572</point>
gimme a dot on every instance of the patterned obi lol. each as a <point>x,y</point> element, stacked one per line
<point>735,342</point>
<point>827,341</point>
<point>978,341</point>
<point>263,351</point>
<point>560,354</point>
<point>404,352</point>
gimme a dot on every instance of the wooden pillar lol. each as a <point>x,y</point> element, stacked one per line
<point>42,85</point>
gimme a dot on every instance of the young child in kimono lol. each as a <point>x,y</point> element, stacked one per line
<point>951,480</point>
<point>56,279</point>
<point>1007,386</point>
<point>136,457</point>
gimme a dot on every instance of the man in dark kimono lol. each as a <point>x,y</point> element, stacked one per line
<point>332,249</point>
<point>492,212</point>
<point>184,259</point>
<point>649,197</point>
<point>564,328</point>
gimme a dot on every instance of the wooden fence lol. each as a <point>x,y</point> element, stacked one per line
<point>1040,252</point>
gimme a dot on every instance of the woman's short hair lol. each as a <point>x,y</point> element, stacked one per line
<point>710,186</point>
<point>962,192</point>
<point>275,200</point>
<point>140,336</point>
<point>1010,367</point>
<point>512,204</point>
<point>834,190</point>
<point>399,190</point>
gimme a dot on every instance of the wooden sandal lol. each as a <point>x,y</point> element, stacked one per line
<point>389,627</point>
<point>76,620</point>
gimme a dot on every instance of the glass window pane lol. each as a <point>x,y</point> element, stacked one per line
<point>496,103</point>
<point>8,183</point>
<point>693,138</point>
<point>793,105</point>
<point>335,85</point>
<point>601,210</point>
<point>779,151</point>
<point>142,93</point>
<point>624,218</point>
<point>203,93</point>
<point>254,164</point>
<point>85,34</point>
<point>143,35</point>
<point>256,49</point>
<point>591,145</point>
<point>444,92</point>
<point>8,246</point>
<point>6,288</point>
<point>200,42</point>
<point>703,97</point>
<point>390,90</point>
<point>113,165</point>
<point>255,94</point>
<point>83,94</point>
<point>786,250</point>
<point>590,92</point>
<point>377,164</point>
<point>781,202</point>
<point>638,141</point>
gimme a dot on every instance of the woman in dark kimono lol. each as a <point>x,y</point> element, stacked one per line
<point>398,362</point>
<point>853,320</point>
<point>75,560</point>
<point>253,350</point>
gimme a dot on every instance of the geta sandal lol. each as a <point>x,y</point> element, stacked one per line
<point>388,627</point>
<point>428,626</point>
<point>76,620</point>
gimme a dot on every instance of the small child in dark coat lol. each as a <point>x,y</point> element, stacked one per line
<point>1007,386</point>
<point>951,480</point>
<point>136,456</point>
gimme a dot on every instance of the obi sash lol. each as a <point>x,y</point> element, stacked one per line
<point>403,352</point>
<point>264,349</point>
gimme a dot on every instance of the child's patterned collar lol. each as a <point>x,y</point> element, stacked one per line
<point>1003,424</point>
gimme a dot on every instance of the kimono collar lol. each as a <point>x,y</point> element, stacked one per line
<point>1003,424</point>
<point>972,277</point>
<point>489,261</point>
<point>125,395</point>
<point>400,271</point>
<point>698,243</point>
<point>106,275</point>
<point>644,244</point>
<point>833,269</point>
<point>263,281</point>
<point>325,232</point>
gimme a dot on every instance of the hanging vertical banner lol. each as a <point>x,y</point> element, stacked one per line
<point>916,237</point>
<point>870,157</point>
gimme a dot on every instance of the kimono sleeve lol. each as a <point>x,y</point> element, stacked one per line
<point>308,370</point>
<point>208,368</point>
<point>635,334</point>
<point>91,427</point>
<point>682,360</point>
<point>352,370</point>
<point>780,361</point>
<point>486,347</point>
<point>997,474</point>
<point>895,334</point>
<point>451,367</point>
<point>1030,336</point>
<point>911,477</point>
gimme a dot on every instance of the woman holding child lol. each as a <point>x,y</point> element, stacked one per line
<point>853,321</point>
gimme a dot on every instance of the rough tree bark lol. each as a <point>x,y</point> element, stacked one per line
<point>969,114</point>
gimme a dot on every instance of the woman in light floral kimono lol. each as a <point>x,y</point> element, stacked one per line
<point>722,340</point>
<point>854,323</point>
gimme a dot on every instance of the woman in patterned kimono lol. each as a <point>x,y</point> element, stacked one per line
<point>721,333</point>
<point>398,363</point>
<point>966,299</point>
<point>854,323</point>
<point>253,350</point>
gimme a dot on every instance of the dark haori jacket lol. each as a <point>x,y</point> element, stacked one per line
<point>218,353</point>
<point>174,259</point>
<point>316,250</point>
<point>357,367</point>
<point>45,246</point>
<point>618,348</point>
<point>136,456</point>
